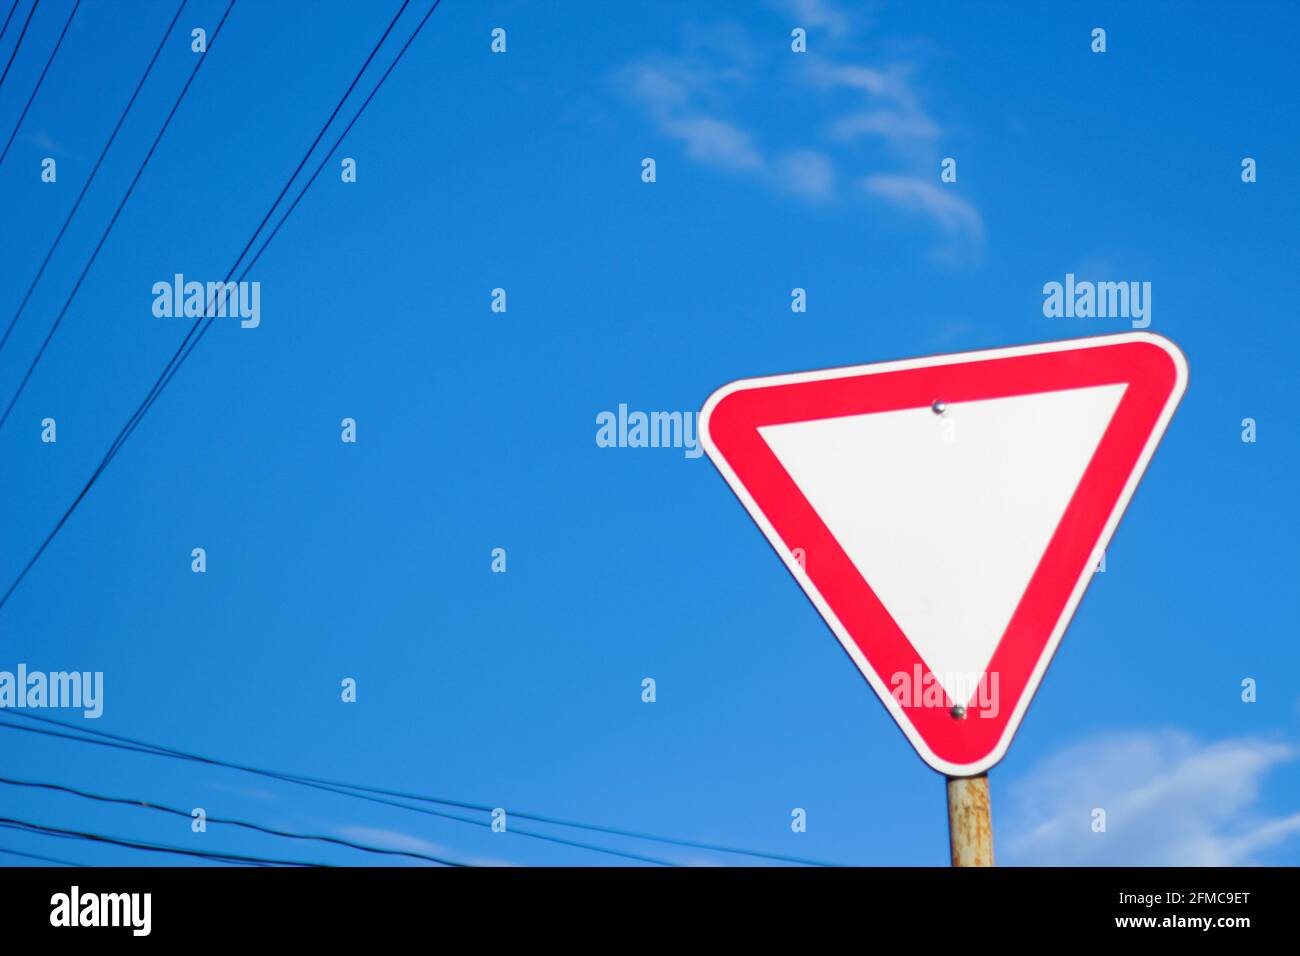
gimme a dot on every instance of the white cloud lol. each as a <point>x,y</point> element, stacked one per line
<point>890,108</point>
<point>1169,800</point>
<point>806,173</point>
<point>252,793</point>
<point>43,140</point>
<point>669,85</point>
<point>697,98</point>
<point>714,141</point>
<point>891,124</point>
<point>816,15</point>
<point>397,840</point>
<point>660,89</point>
<point>889,84</point>
<point>958,218</point>
<point>683,98</point>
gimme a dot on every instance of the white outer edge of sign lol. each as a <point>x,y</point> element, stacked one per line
<point>1076,595</point>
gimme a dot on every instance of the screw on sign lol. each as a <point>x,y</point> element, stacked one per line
<point>950,509</point>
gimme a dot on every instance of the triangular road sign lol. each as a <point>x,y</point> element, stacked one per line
<point>945,514</point>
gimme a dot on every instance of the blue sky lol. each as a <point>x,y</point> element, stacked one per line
<point>476,429</point>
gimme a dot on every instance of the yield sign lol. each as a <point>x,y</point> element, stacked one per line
<point>945,514</point>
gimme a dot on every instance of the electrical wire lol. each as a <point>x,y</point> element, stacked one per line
<point>113,221</point>
<point>227,821</point>
<point>37,856</point>
<point>182,352</point>
<point>129,427</point>
<point>376,794</point>
<point>152,847</point>
<point>72,837</point>
<point>5,29</point>
<point>326,787</point>
<point>18,44</point>
<point>99,162</point>
<point>37,88</point>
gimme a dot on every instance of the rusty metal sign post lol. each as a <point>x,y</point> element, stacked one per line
<point>970,825</point>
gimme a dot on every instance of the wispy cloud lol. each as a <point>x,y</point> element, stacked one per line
<point>889,108</point>
<point>397,840</point>
<point>669,86</point>
<point>883,104</point>
<point>816,15</point>
<point>701,98</point>
<point>714,141</point>
<point>893,125</point>
<point>43,140</point>
<point>807,173</point>
<point>1169,800</point>
<point>891,84</point>
<point>958,219</point>
<point>686,100</point>
<point>252,793</point>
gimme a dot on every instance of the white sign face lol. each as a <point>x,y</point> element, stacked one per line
<point>947,512</point>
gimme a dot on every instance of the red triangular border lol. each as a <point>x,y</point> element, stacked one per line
<point>1150,367</point>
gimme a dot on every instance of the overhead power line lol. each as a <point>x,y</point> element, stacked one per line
<point>227,821</point>
<point>129,427</point>
<point>74,838</point>
<point>99,162</point>
<point>182,352</point>
<point>113,220</point>
<point>37,88</point>
<point>378,794</point>
<point>148,749</point>
<point>19,43</point>
<point>37,856</point>
<point>5,29</point>
<point>151,847</point>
